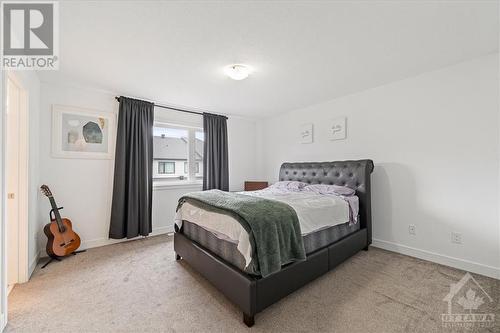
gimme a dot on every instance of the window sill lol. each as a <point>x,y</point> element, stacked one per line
<point>161,185</point>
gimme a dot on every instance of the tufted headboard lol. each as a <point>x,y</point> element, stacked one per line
<point>353,174</point>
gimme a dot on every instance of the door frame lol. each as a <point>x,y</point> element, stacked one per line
<point>3,218</point>
<point>23,195</point>
<point>23,242</point>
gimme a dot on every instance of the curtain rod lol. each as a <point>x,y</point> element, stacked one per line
<point>177,109</point>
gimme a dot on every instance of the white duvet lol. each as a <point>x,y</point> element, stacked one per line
<point>315,212</point>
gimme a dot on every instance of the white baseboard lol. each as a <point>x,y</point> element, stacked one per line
<point>9,288</point>
<point>33,264</point>
<point>88,244</point>
<point>466,265</point>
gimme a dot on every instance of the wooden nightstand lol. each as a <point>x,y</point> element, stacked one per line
<point>254,186</point>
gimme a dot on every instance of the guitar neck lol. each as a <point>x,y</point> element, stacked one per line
<point>56,213</point>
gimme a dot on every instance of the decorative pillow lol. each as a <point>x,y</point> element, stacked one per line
<point>289,185</point>
<point>329,189</point>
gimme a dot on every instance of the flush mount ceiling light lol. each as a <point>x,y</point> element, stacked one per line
<point>237,71</point>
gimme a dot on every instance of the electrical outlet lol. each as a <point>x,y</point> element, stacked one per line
<point>456,237</point>
<point>412,229</point>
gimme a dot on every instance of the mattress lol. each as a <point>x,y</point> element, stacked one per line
<point>314,212</point>
<point>227,249</point>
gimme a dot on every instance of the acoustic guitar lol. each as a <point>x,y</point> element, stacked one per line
<point>62,240</point>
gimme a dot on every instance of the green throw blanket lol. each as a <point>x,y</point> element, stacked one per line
<point>273,226</point>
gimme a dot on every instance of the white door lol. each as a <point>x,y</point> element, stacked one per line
<point>3,276</point>
<point>14,178</point>
<point>12,181</point>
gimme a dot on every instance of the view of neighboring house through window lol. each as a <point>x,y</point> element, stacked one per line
<point>177,153</point>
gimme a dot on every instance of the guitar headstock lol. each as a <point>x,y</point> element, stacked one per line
<point>46,191</point>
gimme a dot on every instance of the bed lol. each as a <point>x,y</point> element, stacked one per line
<point>221,263</point>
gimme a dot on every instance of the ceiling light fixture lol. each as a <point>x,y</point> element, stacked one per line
<point>237,71</point>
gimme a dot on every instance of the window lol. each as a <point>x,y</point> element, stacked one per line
<point>166,168</point>
<point>177,153</point>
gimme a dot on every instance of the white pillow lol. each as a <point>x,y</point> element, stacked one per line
<point>329,189</point>
<point>289,185</point>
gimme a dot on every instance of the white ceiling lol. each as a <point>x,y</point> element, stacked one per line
<point>303,52</point>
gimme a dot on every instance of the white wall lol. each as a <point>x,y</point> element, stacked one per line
<point>243,164</point>
<point>84,187</point>
<point>434,139</point>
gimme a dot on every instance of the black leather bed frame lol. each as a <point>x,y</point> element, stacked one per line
<point>253,294</point>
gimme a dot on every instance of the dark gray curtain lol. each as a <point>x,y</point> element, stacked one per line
<point>215,155</point>
<point>133,182</point>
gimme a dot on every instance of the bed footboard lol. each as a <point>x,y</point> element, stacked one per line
<point>254,294</point>
<point>239,288</point>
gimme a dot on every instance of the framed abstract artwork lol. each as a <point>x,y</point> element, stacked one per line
<point>82,133</point>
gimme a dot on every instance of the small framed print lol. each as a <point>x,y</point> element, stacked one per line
<point>338,128</point>
<point>306,133</point>
<point>82,133</point>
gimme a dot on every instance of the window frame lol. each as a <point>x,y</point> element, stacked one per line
<point>192,175</point>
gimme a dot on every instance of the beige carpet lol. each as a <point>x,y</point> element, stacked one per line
<point>137,286</point>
